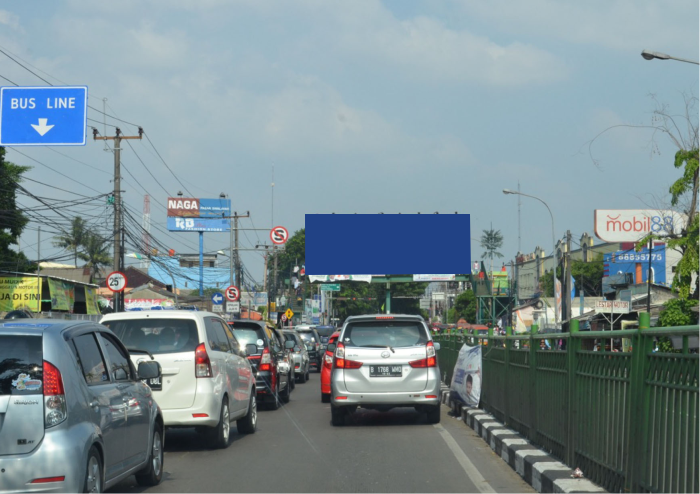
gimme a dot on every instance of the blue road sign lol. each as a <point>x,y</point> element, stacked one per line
<point>43,116</point>
<point>217,298</point>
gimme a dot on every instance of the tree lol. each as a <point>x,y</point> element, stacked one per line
<point>678,312</point>
<point>588,276</point>
<point>74,238</point>
<point>465,306</point>
<point>294,254</point>
<point>95,253</point>
<point>491,241</point>
<point>12,219</point>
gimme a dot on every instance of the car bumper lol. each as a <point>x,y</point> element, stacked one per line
<point>58,455</point>
<point>340,396</point>
<point>207,402</point>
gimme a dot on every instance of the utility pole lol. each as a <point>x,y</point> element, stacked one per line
<point>38,267</point>
<point>117,138</point>
<point>274,267</point>
<point>567,295</point>
<point>238,261</point>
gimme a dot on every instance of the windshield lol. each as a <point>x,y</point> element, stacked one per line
<point>249,336</point>
<point>157,336</point>
<point>21,365</point>
<point>380,334</point>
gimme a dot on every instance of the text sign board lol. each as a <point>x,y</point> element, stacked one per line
<point>198,224</point>
<point>43,116</point>
<point>630,225</point>
<point>612,306</point>
<point>330,287</point>
<point>188,207</point>
<point>386,244</point>
<point>217,308</point>
<point>232,307</point>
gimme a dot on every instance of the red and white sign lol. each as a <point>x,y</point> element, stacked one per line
<point>116,281</point>
<point>279,235</point>
<point>630,225</point>
<point>183,206</point>
<point>232,293</point>
<point>284,318</point>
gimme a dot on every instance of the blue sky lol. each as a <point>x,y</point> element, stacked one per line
<point>366,106</point>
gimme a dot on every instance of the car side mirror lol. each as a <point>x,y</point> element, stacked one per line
<point>149,369</point>
<point>251,349</point>
<point>289,344</point>
<point>331,347</point>
<point>436,345</point>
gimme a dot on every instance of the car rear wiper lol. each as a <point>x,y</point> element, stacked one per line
<point>138,350</point>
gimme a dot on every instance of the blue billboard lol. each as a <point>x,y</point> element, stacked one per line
<point>214,208</point>
<point>626,261</point>
<point>387,244</point>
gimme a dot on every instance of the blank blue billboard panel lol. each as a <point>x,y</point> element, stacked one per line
<point>387,244</point>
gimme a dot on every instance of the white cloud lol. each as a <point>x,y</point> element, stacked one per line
<point>10,20</point>
<point>616,24</point>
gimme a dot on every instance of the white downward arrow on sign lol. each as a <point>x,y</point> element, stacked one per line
<point>42,128</point>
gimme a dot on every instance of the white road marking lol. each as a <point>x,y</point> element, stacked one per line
<point>477,479</point>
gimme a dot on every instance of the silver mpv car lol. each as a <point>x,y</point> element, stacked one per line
<point>74,414</point>
<point>382,362</point>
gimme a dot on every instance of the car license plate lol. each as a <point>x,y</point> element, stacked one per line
<point>154,383</point>
<point>385,370</point>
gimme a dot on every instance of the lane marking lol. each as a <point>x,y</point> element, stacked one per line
<point>477,479</point>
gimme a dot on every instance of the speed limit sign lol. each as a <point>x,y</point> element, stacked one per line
<point>116,281</point>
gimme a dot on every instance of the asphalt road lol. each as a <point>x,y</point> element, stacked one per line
<point>296,449</point>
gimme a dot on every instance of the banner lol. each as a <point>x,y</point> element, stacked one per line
<point>557,295</point>
<point>59,298</point>
<point>466,377</point>
<point>433,277</point>
<point>91,302</point>
<point>18,293</point>
<point>367,278</point>
<point>148,303</point>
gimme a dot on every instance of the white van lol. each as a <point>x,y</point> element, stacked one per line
<point>206,380</point>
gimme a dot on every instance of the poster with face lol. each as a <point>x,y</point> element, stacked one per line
<point>466,377</point>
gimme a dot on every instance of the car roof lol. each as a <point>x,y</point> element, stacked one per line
<point>385,316</point>
<point>39,325</point>
<point>159,314</point>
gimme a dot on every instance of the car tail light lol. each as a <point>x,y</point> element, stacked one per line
<point>202,364</point>
<point>341,362</point>
<point>430,361</point>
<point>266,360</point>
<point>329,359</point>
<point>384,317</point>
<point>54,397</point>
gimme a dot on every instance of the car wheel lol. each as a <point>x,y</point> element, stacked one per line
<point>325,397</point>
<point>307,376</point>
<point>337,415</point>
<point>287,392</point>
<point>221,433</point>
<point>275,403</point>
<point>292,380</point>
<point>153,472</point>
<point>249,423</point>
<point>434,414</point>
<point>93,473</point>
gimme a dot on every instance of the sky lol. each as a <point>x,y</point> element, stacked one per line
<point>360,106</point>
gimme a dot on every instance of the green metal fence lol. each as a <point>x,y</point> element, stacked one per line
<point>629,420</point>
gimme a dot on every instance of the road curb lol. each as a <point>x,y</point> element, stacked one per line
<point>542,471</point>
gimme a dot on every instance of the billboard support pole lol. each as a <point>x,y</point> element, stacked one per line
<point>651,248</point>
<point>201,264</point>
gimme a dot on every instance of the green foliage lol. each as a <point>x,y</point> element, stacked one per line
<point>95,253</point>
<point>491,241</point>
<point>74,238</point>
<point>677,312</point>
<point>689,161</point>
<point>688,264</point>
<point>588,275</point>
<point>294,254</point>
<point>465,307</point>
<point>548,283</point>
<point>12,220</point>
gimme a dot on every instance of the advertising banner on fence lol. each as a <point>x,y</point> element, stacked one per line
<point>18,293</point>
<point>466,377</point>
<point>60,299</point>
<point>91,301</point>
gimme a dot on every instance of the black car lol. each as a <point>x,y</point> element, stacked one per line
<point>313,344</point>
<point>325,332</point>
<point>273,368</point>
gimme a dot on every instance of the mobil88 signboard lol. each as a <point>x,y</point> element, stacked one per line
<point>630,225</point>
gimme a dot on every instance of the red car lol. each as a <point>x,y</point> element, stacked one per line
<point>326,370</point>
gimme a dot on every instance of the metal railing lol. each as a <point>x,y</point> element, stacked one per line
<point>629,420</point>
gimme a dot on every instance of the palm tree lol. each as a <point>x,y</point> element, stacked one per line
<point>74,238</point>
<point>491,241</point>
<point>95,253</point>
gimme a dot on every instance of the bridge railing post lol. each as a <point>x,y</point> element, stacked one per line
<point>532,378</point>
<point>573,345</point>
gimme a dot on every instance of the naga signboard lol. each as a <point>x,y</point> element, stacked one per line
<point>630,225</point>
<point>189,214</point>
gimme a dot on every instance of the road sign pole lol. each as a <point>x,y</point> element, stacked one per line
<point>201,264</point>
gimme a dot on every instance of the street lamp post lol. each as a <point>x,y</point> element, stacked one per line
<point>651,55</point>
<point>554,250</point>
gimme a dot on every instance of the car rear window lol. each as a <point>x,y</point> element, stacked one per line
<point>385,334</point>
<point>307,336</point>
<point>325,331</point>
<point>21,365</point>
<point>249,336</point>
<point>157,336</point>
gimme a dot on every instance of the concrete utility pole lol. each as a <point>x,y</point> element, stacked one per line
<point>567,274</point>
<point>117,138</point>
